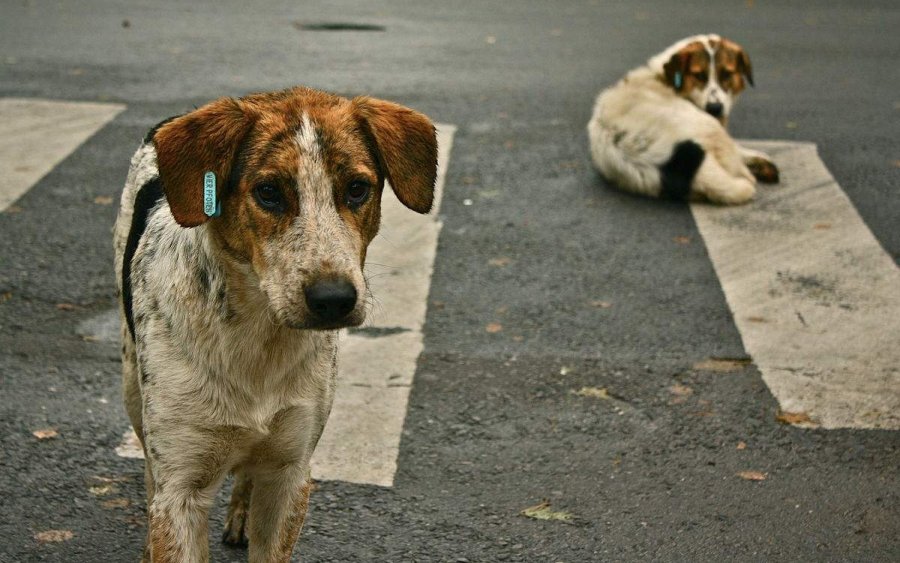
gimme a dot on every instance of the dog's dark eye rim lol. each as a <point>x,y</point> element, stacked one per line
<point>269,196</point>
<point>358,192</point>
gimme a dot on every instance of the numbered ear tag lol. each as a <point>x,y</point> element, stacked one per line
<point>677,80</point>
<point>211,206</point>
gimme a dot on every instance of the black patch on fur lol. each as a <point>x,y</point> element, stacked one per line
<point>148,138</point>
<point>146,199</point>
<point>677,173</point>
<point>203,280</point>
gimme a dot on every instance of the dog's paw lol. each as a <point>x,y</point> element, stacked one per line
<point>235,533</point>
<point>763,169</point>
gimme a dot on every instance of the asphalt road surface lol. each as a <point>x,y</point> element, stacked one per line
<point>569,328</point>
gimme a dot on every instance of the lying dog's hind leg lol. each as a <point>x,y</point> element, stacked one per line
<point>718,186</point>
<point>235,533</point>
<point>760,164</point>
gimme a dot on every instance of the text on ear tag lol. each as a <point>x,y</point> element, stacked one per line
<point>211,206</point>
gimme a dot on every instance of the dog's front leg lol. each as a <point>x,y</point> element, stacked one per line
<point>760,164</point>
<point>178,526</point>
<point>277,511</point>
<point>187,469</point>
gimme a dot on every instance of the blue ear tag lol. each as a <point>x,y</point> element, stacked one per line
<point>211,206</point>
<point>677,80</point>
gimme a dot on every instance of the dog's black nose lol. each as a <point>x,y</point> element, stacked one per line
<point>331,300</point>
<point>715,109</point>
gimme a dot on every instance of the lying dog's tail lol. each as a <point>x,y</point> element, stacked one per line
<point>677,173</point>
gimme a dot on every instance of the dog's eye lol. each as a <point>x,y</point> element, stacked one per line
<point>724,75</point>
<point>269,197</point>
<point>357,193</point>
<point>702,76</point>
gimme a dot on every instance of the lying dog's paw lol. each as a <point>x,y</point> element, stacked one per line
<point>235,533</point>
<point>763,169</point>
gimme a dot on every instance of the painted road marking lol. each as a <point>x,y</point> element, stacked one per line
<point>815,297</point>
<point>376,366</point>
<point>377,363</point>
<point>35,135</point>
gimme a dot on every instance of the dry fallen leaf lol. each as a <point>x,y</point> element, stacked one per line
<point>103,200</point>
<point>5,296</point>
<point>500,262</point>
<point>601,304</point>
<point>682,240</point>
<point>752,475</point>
<point>757,319</point>
<point>595,392</point>
<point>680,390</point>
<point>66,306</point>
<point>116,503</point>
<point>102,490</point>
<point>493,328</point>
<point>45,433</point>
<point>54,536</point>
<point>723,365</point>
<point>742,445</point>
<point>101,479</point>
<point>792,417</point>
<point>822,226</point>
<point>542,511</point>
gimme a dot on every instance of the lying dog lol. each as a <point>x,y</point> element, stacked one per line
<point>660,131</point>
<point>239,250</point>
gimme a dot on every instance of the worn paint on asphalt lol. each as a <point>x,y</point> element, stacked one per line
<point>814,295</point>
<point>35,135</point>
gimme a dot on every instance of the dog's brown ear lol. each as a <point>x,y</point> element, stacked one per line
<point>193,144</point>
<point>744,66</point>
<point>676,69</point>
<point>407,150</point>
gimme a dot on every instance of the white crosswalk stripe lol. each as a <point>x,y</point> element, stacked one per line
<point>35,135</point>
<point>815,297</point>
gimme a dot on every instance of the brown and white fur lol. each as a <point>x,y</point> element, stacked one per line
<point>229,323</point>
<point>661,130</point>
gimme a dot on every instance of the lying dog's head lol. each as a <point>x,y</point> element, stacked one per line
<point>708,70</point>
<point>299,177</point>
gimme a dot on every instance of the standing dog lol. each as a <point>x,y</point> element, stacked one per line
<point>660,131</point>
<point>239,251</point>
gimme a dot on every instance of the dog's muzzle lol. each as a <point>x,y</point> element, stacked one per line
<point>330,300</point>
<point>715,109</point>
